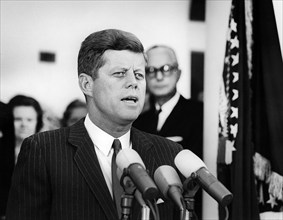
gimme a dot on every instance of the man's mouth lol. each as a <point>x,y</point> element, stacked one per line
<point>130,99</point>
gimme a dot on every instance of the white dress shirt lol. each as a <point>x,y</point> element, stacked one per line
<point>166,109</point>
<point>103,147</point>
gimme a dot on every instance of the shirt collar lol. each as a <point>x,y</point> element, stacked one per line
<point>102,140</point>
<point>170,104</point>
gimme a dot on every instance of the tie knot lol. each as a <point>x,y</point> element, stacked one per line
<point>116,146</point>
<point>158,110</point>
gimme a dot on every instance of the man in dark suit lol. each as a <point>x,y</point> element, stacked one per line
<point>171,115</point>
<point>66,173</point>
<point>7,154</point>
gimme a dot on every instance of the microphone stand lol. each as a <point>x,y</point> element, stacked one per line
<point>190,188</point>
<point>145,210</point>
<point>126,205</point>
<point>145,213</point>
<point>128,196</point>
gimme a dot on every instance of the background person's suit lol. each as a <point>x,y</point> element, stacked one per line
<point>184,122</point>
<point>67,181</point>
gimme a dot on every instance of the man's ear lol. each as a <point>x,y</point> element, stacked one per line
<point>178,74</point>
<point>86,84</point>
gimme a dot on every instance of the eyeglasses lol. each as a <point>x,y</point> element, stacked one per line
<point>166,70</point>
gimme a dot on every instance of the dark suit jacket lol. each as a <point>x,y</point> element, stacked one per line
<point>185,121</point>
<point>7,153</point>
<point>58,176</point>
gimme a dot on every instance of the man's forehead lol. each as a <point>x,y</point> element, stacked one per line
<point>123,56</point>
<point>160,55</point>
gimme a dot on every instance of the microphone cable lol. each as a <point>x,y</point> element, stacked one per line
<point>154,209</point>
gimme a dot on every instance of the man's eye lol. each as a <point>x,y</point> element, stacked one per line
<point>119,74</point>
<point>139,76</point>
<point>166,68</point>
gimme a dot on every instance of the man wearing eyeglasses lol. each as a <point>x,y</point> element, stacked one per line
<point>170,114</point>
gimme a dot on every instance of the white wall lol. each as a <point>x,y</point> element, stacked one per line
<point>60,26</point>
<point>217,26</point>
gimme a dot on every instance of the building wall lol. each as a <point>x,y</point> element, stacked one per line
<point>28,27</point>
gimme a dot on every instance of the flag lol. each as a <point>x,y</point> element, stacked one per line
<point>251,112</point>
<point>268,108</point>
<point>235,152</point>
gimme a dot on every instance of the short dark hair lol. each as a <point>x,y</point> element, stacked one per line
<point>90,57</point>
<point>21,100</point>
<point>68,111</point>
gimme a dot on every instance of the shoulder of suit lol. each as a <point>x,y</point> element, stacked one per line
<point>50,134</point>
<point>191,101</point>
<point>156,139</point>
<point>190,104</point>
<point>55,131</point>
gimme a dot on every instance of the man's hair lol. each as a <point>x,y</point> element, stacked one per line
<point>170,49</point>
<point>90,57</point>
<point>21,100</point>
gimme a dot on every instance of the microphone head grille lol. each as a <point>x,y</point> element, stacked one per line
<point>126,157</point>
<point>187,162</point>
<point>166,176</point>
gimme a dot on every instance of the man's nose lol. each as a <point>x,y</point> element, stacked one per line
<point>131,80</point>
<point>159,75</point>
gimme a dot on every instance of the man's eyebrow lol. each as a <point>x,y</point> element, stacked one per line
<point>139,69</point>
<point>124,68</point>
<point>115,68</point>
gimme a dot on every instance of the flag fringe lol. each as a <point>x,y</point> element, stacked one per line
<point>276,186</point>
<point>263,172</point>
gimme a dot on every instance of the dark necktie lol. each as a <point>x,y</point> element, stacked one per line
<point>116,187</point>
<point>156,118</point>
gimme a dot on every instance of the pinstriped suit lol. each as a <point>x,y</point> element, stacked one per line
<point>58,176</point>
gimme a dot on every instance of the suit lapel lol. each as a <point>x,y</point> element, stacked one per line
<point>143,146</point>
<point>140,142</point>
<point>87,162</point>
<point>171,120</point>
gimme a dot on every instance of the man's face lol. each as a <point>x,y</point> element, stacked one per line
<point>162,85</point>
<point>118,92</point>
<point>25,120</point>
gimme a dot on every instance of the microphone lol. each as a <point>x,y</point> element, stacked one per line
<point>191,166</point>
<point>169,184</point>
<point>130,162</point>
<point>130,187</point>
<point>127,197</point>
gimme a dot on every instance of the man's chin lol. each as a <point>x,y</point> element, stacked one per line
<point>130,119</point>
<point>160,94</point>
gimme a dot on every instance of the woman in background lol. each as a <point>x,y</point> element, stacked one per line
<point>74,112</point>
<point>27,115</point>
<point>19,118</point>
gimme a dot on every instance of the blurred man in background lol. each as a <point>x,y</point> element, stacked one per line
<point>170,114</point>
